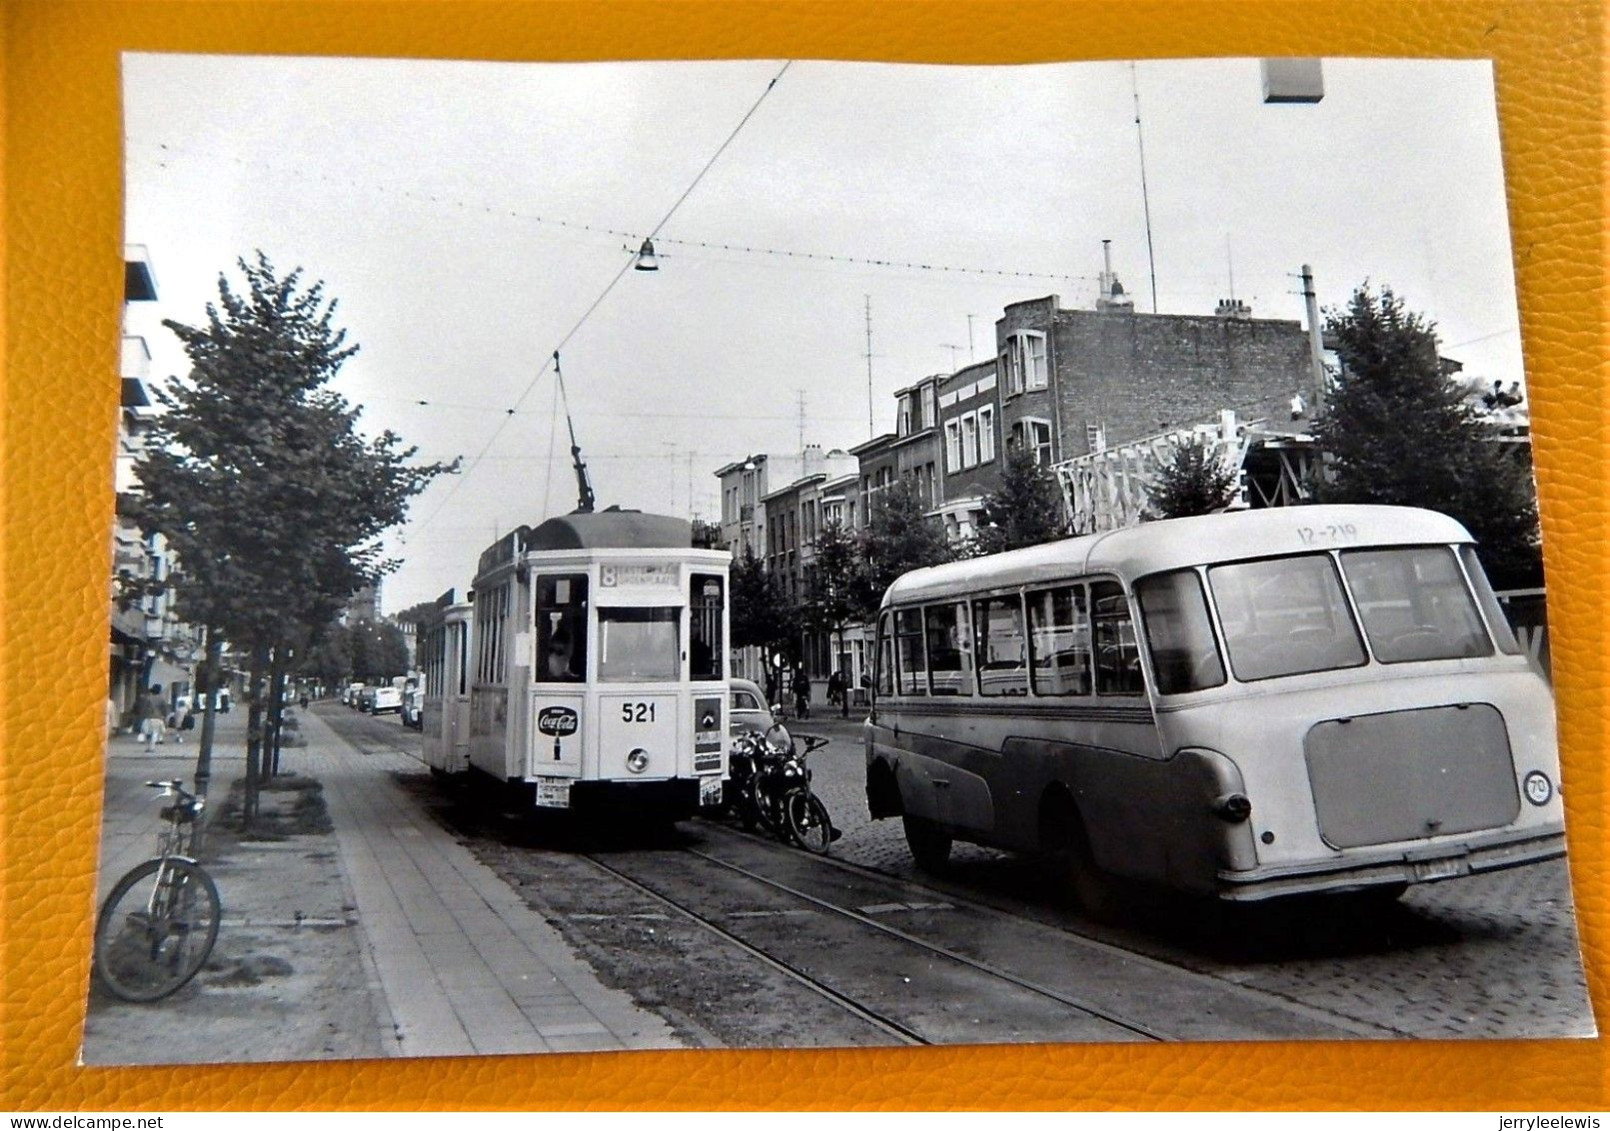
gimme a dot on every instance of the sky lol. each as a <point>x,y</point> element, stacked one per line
<point>473,218</point>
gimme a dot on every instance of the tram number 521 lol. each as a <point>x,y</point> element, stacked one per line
<point>637,712</point>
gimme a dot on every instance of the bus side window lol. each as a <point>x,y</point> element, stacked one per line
<point>949,658</point>
<point>908,647</point>
<point>886,655</point>
<point>1001,648</point>
<point>1117,657</point>
<point>1059,623</point>
<point>562,628</point>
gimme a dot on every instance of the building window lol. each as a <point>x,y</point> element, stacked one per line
<point>1095,438</point>
<point>970,440</point>
<point>953,445</point>
<point>928,416</point>
<point>1035,436</point>
<point>986,434</point>
<point>1025,362</point>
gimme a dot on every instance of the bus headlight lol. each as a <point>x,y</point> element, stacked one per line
<point>1537,787</point>
<point>1232,807</point>
<point>637,760</point>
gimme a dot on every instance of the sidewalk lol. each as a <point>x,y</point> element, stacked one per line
<point>457,963</point>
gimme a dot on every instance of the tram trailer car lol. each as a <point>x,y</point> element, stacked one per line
<point>444,655</point>
<point>1241,705</point>
<point>597,665</point>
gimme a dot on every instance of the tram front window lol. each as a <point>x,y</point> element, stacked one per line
<point>639,645</point>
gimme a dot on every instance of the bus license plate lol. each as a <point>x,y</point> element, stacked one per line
<point>553,793</point>
<point>1441,869</point>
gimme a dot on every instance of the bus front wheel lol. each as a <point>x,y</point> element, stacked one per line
<point>929,844</point>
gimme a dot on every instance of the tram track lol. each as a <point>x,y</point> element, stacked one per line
<point>1059,984</point>
<point>821,987</point>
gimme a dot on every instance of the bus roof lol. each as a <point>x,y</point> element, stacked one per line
<point>1134,551</point>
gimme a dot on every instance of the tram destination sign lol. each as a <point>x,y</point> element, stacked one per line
<point>615,575</point>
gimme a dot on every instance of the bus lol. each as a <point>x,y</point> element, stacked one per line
<point>1242,706</point>
<point>444,655</point>
<point>598,665</point>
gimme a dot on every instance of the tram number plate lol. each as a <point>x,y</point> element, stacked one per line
<point>1441,869</point>
<point>553,793</point>
<point>710,791</point>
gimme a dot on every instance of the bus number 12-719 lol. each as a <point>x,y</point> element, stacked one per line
<point>637,712</point>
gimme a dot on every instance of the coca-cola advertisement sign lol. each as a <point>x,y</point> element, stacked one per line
<point>556,721</point>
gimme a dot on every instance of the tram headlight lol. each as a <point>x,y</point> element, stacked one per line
<point>1539,790</point>
<point>1232,807</point>
<point>637,760</point>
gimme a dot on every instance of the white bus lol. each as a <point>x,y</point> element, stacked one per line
<point>598,668</point>
<point>1241,705</point>
<point>444,654</point>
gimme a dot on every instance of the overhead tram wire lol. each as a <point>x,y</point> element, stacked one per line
<point>580,322</point>
<point>781,253</point>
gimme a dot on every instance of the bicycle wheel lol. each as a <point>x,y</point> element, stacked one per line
<point>156,929</point>
<point>808,822</point>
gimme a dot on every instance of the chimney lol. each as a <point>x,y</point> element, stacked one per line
<point>1111,294</point>
<point>1233,308</point>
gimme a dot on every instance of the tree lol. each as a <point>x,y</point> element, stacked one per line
<point>271,500</point>
<point>379,651</point>
<point>761,614</point>
<point>1397,429</point>
<point>1025,510</point>
<point>1193,482</point>
<point>839,594</point>
<point>899,537</point>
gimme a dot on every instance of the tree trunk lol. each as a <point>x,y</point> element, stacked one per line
<point>210,669</point>
<point>254,735</point>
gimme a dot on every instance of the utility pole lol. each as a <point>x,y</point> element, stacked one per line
<point>953,351</point>
<point>971,356</point>
<point>1145,198</point>
<point>801,393</point>
<point>1316,345</point>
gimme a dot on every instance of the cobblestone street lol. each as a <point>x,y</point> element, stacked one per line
<point>1495,955</point>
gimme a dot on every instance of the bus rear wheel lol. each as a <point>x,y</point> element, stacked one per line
<point>929,844</point>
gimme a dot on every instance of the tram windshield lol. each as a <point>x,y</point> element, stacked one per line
<point>639,645</point>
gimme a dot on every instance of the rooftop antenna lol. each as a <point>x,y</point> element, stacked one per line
<point>584,488</point>
<point>868,364</point>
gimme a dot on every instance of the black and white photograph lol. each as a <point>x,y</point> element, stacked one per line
<point>796,554</point>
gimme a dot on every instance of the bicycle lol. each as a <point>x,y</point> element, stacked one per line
<point>158,926</point>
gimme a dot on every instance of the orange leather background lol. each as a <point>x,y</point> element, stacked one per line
<point>62,297</point>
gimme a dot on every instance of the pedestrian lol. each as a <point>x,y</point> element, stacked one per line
<point>149,711</point>
<point>181,720</point>
<point>844,695</point>
<point>802,694</point>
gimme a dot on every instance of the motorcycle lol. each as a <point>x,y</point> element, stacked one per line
<point>769,785</point>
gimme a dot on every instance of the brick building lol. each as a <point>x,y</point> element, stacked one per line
<point>969,412</point>
<point>1074,381</point>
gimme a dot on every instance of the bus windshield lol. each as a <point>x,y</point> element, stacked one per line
<point>1285,616</point>
<point>1415,604</point>
<point>639,645</point>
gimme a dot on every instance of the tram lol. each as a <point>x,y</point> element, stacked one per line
<point>594,652</point>
<point>444,656</point>
<point>1243,706</point>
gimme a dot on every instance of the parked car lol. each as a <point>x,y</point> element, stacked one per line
<point>364,698</point>
<point>747,708</point>
<point>413,708</point>
<point>385,699</point>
